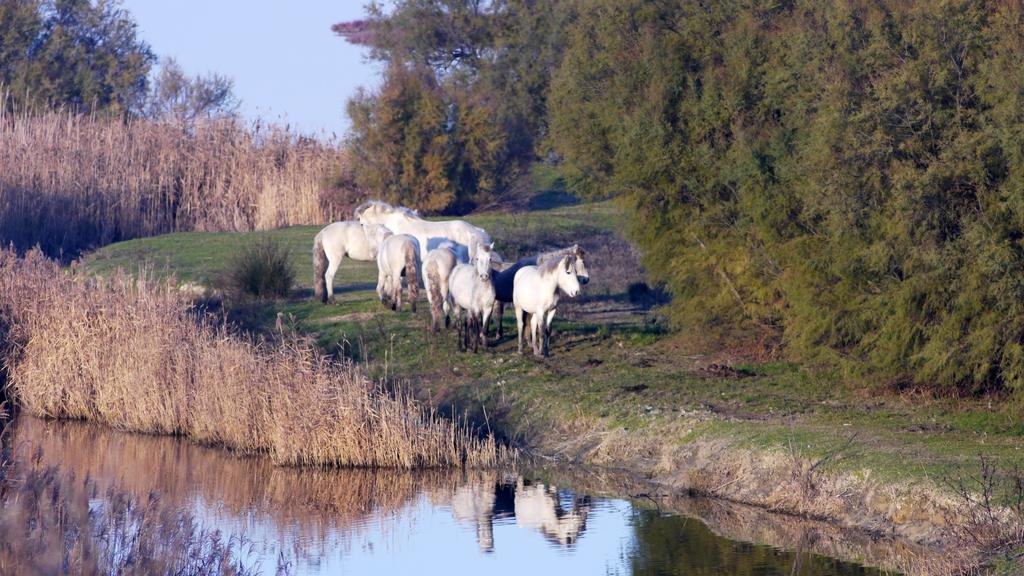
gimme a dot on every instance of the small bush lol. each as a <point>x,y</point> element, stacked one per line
<point>262,270</point>
<point>642,294</point>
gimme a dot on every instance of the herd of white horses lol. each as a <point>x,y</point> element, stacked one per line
<point>459,269</point>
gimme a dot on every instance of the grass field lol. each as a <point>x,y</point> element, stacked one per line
<point>619,387</point>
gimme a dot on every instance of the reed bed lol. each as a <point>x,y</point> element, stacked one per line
<point>132,354</point>
<point>71,181</point>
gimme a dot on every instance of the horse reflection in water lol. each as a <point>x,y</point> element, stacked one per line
<point>534,506</point>
<point>539,507</point>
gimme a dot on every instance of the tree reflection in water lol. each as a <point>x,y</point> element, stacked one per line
<point>669,545</point>
<point>311,521</point>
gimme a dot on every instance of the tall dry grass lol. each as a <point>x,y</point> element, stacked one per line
<point>71,181</point>
<point>131,354</point>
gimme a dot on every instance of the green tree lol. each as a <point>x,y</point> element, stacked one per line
<point>74,53</point>
<point>489,64</point>
<point>175,96</point>
<point>841,175</point>
<point>402,142</point>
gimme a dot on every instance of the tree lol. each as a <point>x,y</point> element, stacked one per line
<point>72,53</point>
<point>175,96</point>
<point>401,140</point>
<point>843,176</point>
<point>488,64</point>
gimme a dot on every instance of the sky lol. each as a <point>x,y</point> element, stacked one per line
<point>287,65</point>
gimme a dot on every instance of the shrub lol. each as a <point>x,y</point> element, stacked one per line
<point>842,177</point>
<point>262,270</point>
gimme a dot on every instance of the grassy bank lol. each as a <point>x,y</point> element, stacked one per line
<point>620,390</point>
<point>131,353</point>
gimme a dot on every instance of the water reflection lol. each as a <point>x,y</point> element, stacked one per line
<point>670,545</point>
<point>309,521</point>
<point>560,516</point>
<point>539,507</point>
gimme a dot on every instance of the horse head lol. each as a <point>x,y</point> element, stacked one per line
<point>581,265</point>
<point>568,280</point>
<point>376,233</point>
<point>482,262</point>
<point>373,212</point>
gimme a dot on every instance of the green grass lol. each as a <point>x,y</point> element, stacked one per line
<point>619,371</point>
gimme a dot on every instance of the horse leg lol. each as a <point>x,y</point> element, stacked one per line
<point>396,292</point>
<point>474,326</point>
<point>446,298</point>
<point>538,333</point>
<point>533,335</point>
<point>547,330</point>
<point>435,317</point>
<point>389,297</point>
<point>486,319</point>
<point>332,269</point>
<point>519,329</point>
<point>381,281</point>
<point>528,320</point>
<point>501,316</point>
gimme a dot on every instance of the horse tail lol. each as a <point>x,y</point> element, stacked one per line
<point>433,281</point>
<point>411,273</point>
<point>319,267</point>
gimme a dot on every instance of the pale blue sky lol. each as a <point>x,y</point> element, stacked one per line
<point>286,63</point>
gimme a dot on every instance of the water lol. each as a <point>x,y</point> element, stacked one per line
<point>308,521</point>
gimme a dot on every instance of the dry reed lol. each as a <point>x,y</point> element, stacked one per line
<point>69,181</point>
<point>131,354</point>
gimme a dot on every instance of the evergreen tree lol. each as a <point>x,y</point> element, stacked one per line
<point>78,54</point>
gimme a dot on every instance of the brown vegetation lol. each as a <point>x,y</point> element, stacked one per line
<point>312,503</point>
<point>131,354</point>
<point>934,531</point>
<point>49,524</point>
<point>69,181</point>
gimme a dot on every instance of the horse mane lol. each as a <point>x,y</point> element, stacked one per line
<point>573,250</point>
<point>551,264</point>
<point>362,207</point>
<point>407,212</point>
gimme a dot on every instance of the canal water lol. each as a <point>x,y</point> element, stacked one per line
<point>314,521</point>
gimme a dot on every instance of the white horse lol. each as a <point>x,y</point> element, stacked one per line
<point>535,291</point>
<point>437,267</point>
<point>504,279</point>
<point>402,220</point>
<point>337,240</point>
<point>398,253</point>
<point>470,288</point>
